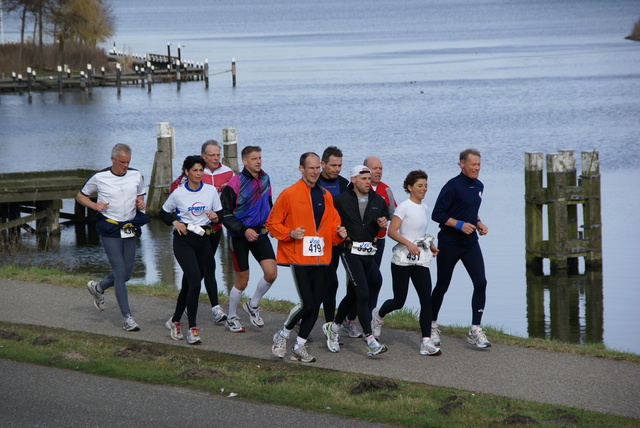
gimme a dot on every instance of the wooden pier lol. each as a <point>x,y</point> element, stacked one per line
<point>146,72</point>
<point>39,195</point>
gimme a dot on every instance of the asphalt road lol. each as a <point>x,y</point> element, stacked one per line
<point>565,380</point>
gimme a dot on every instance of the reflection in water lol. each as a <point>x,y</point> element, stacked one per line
<point>574,306</point>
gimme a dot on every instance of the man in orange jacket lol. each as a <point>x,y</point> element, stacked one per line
<point>306,225</point>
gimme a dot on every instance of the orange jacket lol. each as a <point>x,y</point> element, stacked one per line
<point>293,209</point>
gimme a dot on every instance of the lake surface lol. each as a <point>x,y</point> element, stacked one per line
<point>413,82</point>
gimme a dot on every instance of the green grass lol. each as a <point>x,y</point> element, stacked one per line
<point>403,319</point>
<point>300,386</point>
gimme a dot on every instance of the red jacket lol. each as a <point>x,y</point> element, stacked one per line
<point>293,209</point>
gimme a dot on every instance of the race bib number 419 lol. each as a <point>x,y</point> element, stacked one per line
<point>313,246</point>
<point>363,248</point>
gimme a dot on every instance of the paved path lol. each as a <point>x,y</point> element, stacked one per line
<point>566,380</point>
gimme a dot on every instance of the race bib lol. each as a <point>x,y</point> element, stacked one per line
<point>363,248</point>
<point>412,259</point>
<point>313,246</point>
<point>127,232</point>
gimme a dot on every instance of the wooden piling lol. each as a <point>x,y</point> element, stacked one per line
<point>118,78</point>
<point>590,180</point>
<point>230,148</point>
<point>205,73</point>
<point>565,244</point>
<point>572,206</point>
<point>233,72</point>
<point>534,200</point>
<point>557,210</point>
<point>59,81</point>
<point>161,174</point>
<point>29,83</point>
<point>178,76</point>
<point>89,83</point>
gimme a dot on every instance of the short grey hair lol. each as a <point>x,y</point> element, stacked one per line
<point>465,154</point>
<point>120,147</point>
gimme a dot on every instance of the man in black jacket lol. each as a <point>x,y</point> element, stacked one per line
<point>363,213</point>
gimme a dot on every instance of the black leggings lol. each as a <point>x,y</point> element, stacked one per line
<point>310,282</point>
<point>210,282</point>
<point>331,289</point>
<point>450,253</point>
<point>191,252</point>
<point>421,278</point>
<point>361,271</point>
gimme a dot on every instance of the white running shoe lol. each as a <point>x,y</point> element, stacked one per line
<point>333,339</point>
<point>435,336</point>
<point>193,338</point>
<point>477,337</point>
<point>176,329</point>
<point>254,314</point>
<point>428,348</point>
<point>300,354</point>
<point>375,348</point>
<point>234,326</point>
<point>98,297</point>
<point>129,324</point>
<point>352,328</point>
<point>279,348</point>
<point>218,314</point>
<point>376,322</point>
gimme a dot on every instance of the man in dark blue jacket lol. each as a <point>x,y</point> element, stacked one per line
<point>456,210</point>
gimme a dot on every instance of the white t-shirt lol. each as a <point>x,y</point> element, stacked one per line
<point>191,206</point>
<point>415,220</point>
<point>120,192</point>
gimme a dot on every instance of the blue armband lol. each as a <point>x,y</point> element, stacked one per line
<point>459,224</point>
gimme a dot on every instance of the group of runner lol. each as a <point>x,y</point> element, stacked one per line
<point>317,221</point>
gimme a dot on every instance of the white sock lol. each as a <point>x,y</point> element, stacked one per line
<point>475,328</point>
<point>261,289</point>
<point>434,324</point>
<point>371,339</point>
<point>300,342</point>
<point>284,332</point>
<point>335,327</point>
<point>234,300</point>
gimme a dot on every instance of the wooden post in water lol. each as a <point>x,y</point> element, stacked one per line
<point>178,75</point>
<point>233,72</point>
<point>89,83</point>
<point>148,76</point>
<point>557,169</point>
<point>118,78</point>
<point>59,80</point>
<point>562,197</point>
<point>230,148</point>
<point>534,200</point>
<point>590,180</point>
<point>29,80</point>
<point>572,206</point>
<point>160,181</point>
<point>205,73</point>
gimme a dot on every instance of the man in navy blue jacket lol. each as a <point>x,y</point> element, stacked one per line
<point>456,210</point>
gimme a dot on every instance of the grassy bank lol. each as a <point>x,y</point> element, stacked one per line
<point>76,56</point>
<point>300,386</point>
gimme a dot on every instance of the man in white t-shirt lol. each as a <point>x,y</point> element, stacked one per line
<point>121,193</point>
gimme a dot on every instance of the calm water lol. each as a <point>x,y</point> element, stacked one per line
<point>413,82</point>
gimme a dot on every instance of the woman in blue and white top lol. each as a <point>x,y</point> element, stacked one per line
<point>411,258</point>
<point>191,209</point>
